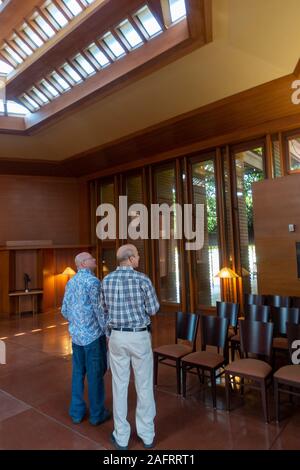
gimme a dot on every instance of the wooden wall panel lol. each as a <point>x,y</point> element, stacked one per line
<point>276,205</point>
<point>39,208</point>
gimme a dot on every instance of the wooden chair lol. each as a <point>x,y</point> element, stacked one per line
<point>287,378</point>
<point>186,327</point>
<point>253,299</point>
<point>230,311</point>
<point>256,339</point>
<point>277,300</point>
<point>280,317</point>
<point>254,312</point>
<point>214,332</point>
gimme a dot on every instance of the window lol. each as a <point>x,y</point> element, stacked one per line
<point>71,73</point>
<point>48,89</point>
<point>5,68</point>
<point>130,34</point>
<point>17,59</point>
<point>30,103</point>
<point>38,96</point>
<point>134,192</point>
<point>148,22</point>
<point>113,45</point>
<point>249,168</point>
<point>34,38</point>
<point>294,153</point>
<point>98,55</point>
<point>86,67</point>
<point>168,248</point>
<point>207,259</point>
<point>276,156</point>
<point>45,26</point>
<point>59,81</point>
<point>22,45</point>
<point>177,9</point>
<point>73,6</point>
<point>16,108</point>
<point>57,15</point>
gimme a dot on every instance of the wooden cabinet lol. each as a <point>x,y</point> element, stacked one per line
<point>44,265</point>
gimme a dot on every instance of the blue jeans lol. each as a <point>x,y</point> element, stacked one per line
<point>89,360</point>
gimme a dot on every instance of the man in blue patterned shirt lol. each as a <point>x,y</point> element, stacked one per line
<point>81,307</point>
<point>129,299</point>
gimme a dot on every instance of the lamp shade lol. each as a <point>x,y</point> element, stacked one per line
<point>69,271</point>
<point>226,273</point>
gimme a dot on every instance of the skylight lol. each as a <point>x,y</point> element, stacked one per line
<point>5,68</point>
<point>57,15</point>
<point>177,9</point>
<point>60,81</point>
<point>16,108</point>
<point>48,89</point>
<point>12,108</point>
<point>98,55</point>
<point>71,72</point>
<point>113,45</point>
<point>16,57</point>
<point>45,27</point>
<point>22,45</point>
<point>84,64</point>
<point>34,38</point>
<point>130,34</point>
<point>134,31</point>
<point>73,6</point>
<point>148,21</point>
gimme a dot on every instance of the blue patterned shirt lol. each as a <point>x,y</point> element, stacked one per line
<point>81,307</point>
<point>128,298</point>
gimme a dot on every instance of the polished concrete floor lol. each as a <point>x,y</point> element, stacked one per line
<point>35,392</point>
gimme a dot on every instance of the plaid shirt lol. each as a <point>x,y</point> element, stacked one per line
<point>128,298</point>
<point>81,306</point>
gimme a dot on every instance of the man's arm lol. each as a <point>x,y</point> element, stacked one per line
<point>94,294</point>
<point>151,300</point>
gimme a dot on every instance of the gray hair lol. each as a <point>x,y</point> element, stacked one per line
<point>124,252</point>
<point>80,258</point>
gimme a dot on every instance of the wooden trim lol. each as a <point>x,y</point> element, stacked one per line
<point>269,157</point>
<point>181,242</point>
<point>188,200</point>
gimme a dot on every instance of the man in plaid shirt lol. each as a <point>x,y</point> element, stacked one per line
<point>129,299</point>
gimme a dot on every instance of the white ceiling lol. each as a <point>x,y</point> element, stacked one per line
<point>254,42</point>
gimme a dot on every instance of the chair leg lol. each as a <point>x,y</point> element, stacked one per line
<point>213,388</point>
<point>232,347</point>
<point>155,371</point>
<point>290,395</point>
<point>264,400</point>
<point>242,385</point>
<point>227,390</point>
<point>277,400</point>
<point>183,381</point>
<point>178,373</point>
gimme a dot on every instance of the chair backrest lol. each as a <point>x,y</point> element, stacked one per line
<point>228,310</point>
<point>295,301</point>
<point>256,338</point>
<point>281,315</point>
<point>258,313</point>
<point>277,300</point>
<point>186,327</point>
<point>254,299</point>
<point>214,331</point>
<point>293,334</point>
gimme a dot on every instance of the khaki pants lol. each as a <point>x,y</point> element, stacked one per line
<point>133,348</point>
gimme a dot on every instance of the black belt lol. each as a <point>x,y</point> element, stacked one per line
<point>132,329</point>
